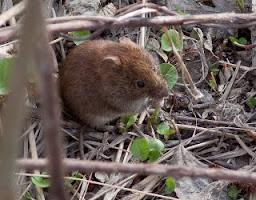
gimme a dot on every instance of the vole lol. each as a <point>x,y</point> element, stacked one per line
<point>101,80</point>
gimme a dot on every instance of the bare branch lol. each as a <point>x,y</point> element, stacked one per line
<point>15,10</point>
<point>73,23</point>
<point>50,103</point>
<point>157,169</point>
<point>13,113</point>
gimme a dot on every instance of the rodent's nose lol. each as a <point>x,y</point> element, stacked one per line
<point>159,92</point>
<point>163,92</point>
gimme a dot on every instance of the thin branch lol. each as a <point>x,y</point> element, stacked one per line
<point>193,90</point>
<point>157,169</point>
<point>142,29</point>
<point>136,6</point>
<point>75,23</point>
<point>230,84</point>
<point>13,113</point>
<point>50,104</point>
<point>202,121</point>
<point>15,10</point>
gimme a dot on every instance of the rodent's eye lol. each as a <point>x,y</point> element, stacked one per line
<point>140,84</point>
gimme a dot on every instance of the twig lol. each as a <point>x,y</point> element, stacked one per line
<point>227,91</point>
<point>202,144</point>
<point>7,4</point>
<point>142,12</point>
<point>74,23</point>
<point>65,19</point>
<point>243,145</point>
<point>33,150</point>
<point>50,112</point>
<point>194,92</point>
<point>13,114</point>
<point>13,11</point>
<point>136,6</point>
<point>25,191</point>
<point>245,46</point>
<point>142,29</point>
<point>203,105</point>
<point>157,169</point>
<point>242,67</point>
<point>206,121</point>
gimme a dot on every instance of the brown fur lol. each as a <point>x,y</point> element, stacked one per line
<point>98,81</point>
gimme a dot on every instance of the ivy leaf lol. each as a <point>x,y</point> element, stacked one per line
<point>5,69</point>
<point>171,35</point>
<point>156,144</point>
<point>233,192</point>
<point>215,70</point>
<point>165,130</point>
<point>240,4</point>
<point>170,185</point>
<point>153,156</point>
<point>233,39</point>
<point>140,148</point>
<point>197,34</point>
<point>169,73</point>
<point>212,82</point>
<point>41,182</point>
<point>129,120</point>
<point>28,196</point>
<point>82,34</point>
<point>180,10</point>
<point>242,40</point>
<point>147,149</point>
<point>251,102</point>
<point>156,147</point>
<point>154,118</point>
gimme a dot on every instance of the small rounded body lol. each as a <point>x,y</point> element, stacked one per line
<point>101,80</point>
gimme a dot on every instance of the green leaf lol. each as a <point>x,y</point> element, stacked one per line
<point>129,120</point>
<point>212,82</point>
<point>69,182</point>
<point>40,181</point>
<point>28,196</point>
<point>242,40</point>
<point>251,102</point>
<point>77,175</point>
<point>5,70</point>
<point>167,37</point>
<point>164,129</point>
<point>156,147</point>
<point>170,185</point>
<point>233,192</point>
<point>233,39</point>
<point>82,34</point>
<point>240,4</point>
<point>169,73</point>
<point>140,148</point>
<point>197,34</point>
<point>153,156</point>
<point>147,149</point>
<point>180,10</point>
<point>154,118</point>
<point>156,144</point>
<point>215,70</point>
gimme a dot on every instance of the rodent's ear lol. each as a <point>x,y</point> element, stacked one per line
<point>111,61</point>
